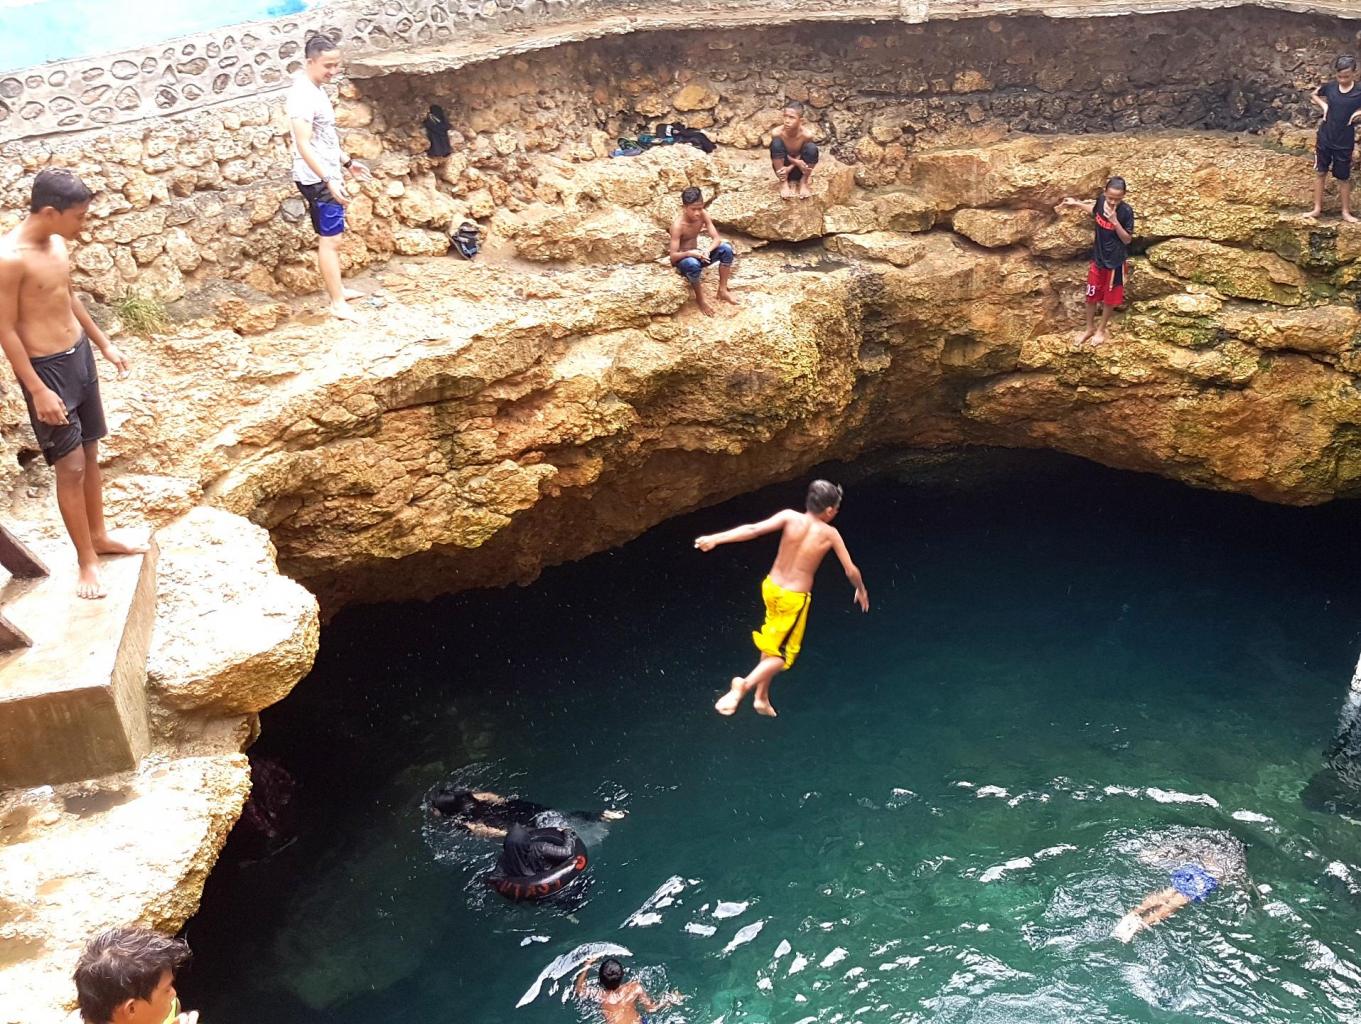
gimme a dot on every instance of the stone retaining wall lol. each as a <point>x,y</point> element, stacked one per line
<point>205,197</point>
<point>247,60</point>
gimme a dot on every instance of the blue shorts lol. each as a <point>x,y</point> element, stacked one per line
<point>691,267</point>
<point>1194,882</point>
<point>328,216</point>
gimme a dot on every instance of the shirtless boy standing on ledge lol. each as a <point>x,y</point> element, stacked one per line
<point>805,539</point>
<point>46,334</point>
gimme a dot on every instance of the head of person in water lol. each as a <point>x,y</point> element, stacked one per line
<point>455,800</point>
<point>824,500</point>
<point>611,974</point>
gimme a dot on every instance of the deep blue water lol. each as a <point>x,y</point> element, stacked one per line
<point>953,809</point>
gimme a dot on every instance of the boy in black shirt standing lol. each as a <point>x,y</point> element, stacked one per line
<point>1340,102</point>
<point>1106,276</point>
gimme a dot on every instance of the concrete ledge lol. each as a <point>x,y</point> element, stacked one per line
<point>73,706</point>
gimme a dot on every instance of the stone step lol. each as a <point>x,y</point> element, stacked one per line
<point>73,704</point>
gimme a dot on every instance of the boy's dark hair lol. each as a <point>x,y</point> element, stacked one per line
<point>122,964</point>
<point>611,974</point>
<point>319,44</point>
<point>58,188</point>
<point>1117,183</point>
<point>795,106</point>
<point>822,495</point>
<point>1345,63</point>
<point>691,195</point>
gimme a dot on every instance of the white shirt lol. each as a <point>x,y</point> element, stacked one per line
<point>308,102</point>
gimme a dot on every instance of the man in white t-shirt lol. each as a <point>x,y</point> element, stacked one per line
<point>320,165</point>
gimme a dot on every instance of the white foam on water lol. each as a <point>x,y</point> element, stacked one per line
<point>833,958</point>
<point>963,785</point>
<point>1054,851</point>
<point>744,936</point>
<point>725,910</point>
<point>797,964</point>
<point>765,984</point>
<point>854,972</point>
<point>1250,816</point>
<point>533,938</point>
<point>706,930</point>
<point>568,962</point>
<point>801,998</point>
<point>783,949</point>
<point>1119,791</point>
<point>997,791</point>
<point>1171,796</point>
<point>996,872</point>
<point>663,897</point>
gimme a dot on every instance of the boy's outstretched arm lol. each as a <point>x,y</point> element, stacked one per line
<point>749,531</point>
<point>862,596</point>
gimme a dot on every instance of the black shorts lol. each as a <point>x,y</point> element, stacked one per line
<point>328,216</point>
<point>73,376</point>
<point>1339,161</point>
<point>808,154</point>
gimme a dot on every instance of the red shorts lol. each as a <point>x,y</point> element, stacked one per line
<point>1105,286</point>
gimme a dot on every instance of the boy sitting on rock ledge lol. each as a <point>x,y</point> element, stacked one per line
<point>794,154</point>
<point>690,260</point>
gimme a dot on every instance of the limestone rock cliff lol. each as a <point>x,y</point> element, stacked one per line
<point>466,431</point>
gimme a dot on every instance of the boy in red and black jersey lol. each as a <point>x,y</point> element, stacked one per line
<point>1340,102</point>
<point>1114,220</point>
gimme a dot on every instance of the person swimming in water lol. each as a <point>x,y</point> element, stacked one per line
<point>529,852</point>
<point>805,539</point>
<point>619,1001</point>
<point>491,815</point>
<point>1205,859</point>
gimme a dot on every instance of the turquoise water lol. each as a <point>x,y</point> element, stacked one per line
<point>1062,663</point>
<point>35,31</point>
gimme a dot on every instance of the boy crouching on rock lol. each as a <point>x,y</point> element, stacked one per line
<point>689,259</point>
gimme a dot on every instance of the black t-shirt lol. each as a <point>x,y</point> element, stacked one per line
<point>1337,132</point>
<point>1110,253</point>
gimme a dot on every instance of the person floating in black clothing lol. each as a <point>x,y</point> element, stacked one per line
<point>1340,102</point>
<point>530,852</point>
<point>491,815</point>
<point>436,126</point>
<point>1114,219</point>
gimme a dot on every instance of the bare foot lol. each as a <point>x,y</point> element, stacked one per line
<point>351,293</point>
<point>728,703</point>
<point>1312,214</point>
<point>726,296</point>
<point>786,191</point>
<point>1085,335</point>
<point>1347,216</point>
<point>704,307</point>
<point>1099,338</point>
<point>762,707</point>
<point>342,311</point>
<point>805,193</point>
<point>106,545</point>
<point>88,584</point>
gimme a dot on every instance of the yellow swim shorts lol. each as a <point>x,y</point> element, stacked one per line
<point>786,617</point>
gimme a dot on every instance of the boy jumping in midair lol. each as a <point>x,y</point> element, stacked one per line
<point>1114,220</point>
<point>805,539</point>
<point>689,260</point>
<point>1340,102</point>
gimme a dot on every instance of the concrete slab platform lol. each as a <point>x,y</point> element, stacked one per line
<point>73,706</point>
